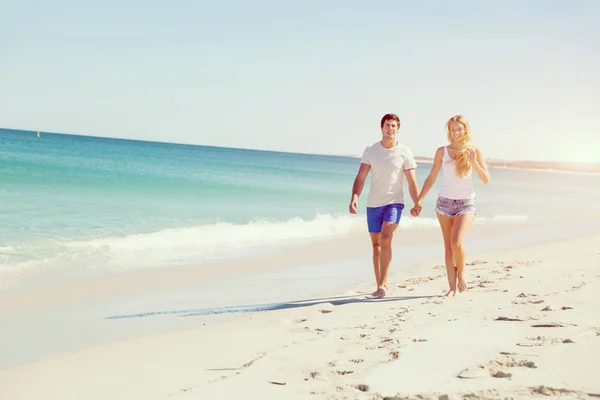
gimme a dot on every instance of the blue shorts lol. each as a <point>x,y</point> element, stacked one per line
<point>376,216</point>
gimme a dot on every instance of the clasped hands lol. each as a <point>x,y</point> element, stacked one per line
<point>416,210</point>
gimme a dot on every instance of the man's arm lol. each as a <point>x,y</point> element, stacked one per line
<point>357,187</point>
<point>413,187</point>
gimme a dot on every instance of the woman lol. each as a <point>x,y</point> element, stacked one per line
<point>455,206</point>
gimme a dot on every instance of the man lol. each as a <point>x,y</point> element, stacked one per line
<point>388,161</point>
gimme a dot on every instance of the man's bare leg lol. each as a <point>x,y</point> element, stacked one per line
<point>447,226</point>
<point>462,223</point>
<point>376,242</point>
<point>387,234</point>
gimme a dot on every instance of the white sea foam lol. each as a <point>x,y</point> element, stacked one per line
<point>189,246</point>
<point>504,218</point>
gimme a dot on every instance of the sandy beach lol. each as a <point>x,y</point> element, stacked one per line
<point>526,327</point>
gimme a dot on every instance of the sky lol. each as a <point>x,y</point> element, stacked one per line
<point>310,76</point>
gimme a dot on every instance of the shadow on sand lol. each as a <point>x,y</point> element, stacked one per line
<point>335,301</point>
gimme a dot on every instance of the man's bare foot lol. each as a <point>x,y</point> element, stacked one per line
<point>377,292</point>
<point>462,284</point>
<point>451,293</point>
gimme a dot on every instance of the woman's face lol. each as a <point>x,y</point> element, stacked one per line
<point>457,131</point>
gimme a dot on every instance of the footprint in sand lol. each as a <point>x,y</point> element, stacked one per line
<point>552,325</point>
<point>513,363</point>
<point>362,388</point>
<point>562,393</point>
<point>527,302</point>
<point>476,262</point>
<point>527,263</point>
<point>511,319</point>
<point>538,341</point>
<point>474,373</point>
<point>582,284</point>
<point>500,374</point>
<point>526,295</point>
<point>483,283</point>
<point>343,372</point>
<point>548,308</point>
<point>314,375</point>
<point>495,368</point>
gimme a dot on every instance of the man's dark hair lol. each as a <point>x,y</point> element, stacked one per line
<point>390,116</point>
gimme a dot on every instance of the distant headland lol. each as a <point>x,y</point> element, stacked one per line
<point>541,165</point>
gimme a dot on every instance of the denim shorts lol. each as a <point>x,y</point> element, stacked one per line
<point>452,207</point>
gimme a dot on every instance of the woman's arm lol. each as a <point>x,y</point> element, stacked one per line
<point>433,174</point>
<point>480,167</point>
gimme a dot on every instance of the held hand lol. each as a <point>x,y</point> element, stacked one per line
<point>416,210</point>
<point>471,155</point>
<point>353,206</point>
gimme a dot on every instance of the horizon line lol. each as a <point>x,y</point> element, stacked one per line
<point>355,156</point>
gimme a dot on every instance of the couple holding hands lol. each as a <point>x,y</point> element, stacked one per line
<point>389,162</point>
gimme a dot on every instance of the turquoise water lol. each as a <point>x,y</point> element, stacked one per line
<point>110,204</point>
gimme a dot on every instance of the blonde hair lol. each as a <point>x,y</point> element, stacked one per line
<point>463,165</point>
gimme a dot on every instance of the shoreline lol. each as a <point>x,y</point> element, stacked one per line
<point>330,345</point>
<point>82,311</point>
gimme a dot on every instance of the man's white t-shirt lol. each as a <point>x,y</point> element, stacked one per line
<point>387,173</point>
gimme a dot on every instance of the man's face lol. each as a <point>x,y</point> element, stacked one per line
<point>390,128</point>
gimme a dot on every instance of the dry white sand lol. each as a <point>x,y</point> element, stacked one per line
<point>527,327</point>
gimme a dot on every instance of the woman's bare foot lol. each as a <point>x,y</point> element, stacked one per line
<point>451,293</point>
<point>462,284</point>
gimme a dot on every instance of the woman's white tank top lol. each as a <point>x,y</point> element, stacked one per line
<point>453,186</point>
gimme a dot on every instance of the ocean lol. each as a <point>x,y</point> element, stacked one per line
<point>78,204</point>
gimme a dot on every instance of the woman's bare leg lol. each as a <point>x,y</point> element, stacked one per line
<point>462,223</point>
<point>447,226</point>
